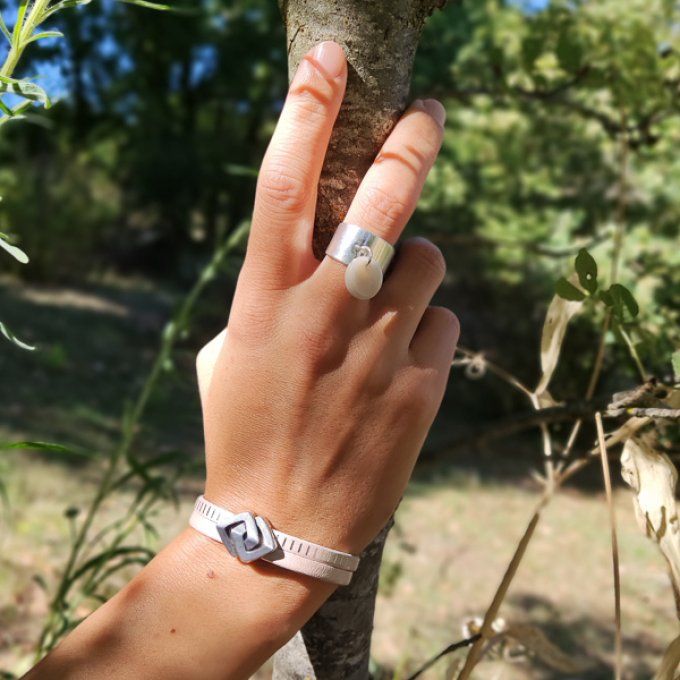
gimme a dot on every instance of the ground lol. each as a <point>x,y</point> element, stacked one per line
<point>455,530</point>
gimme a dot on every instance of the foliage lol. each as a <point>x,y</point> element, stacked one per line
<point>540,103</point>
<point>30,15</point>
<point>97,554</point>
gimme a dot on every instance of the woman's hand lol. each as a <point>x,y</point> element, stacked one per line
<point>316,404</point>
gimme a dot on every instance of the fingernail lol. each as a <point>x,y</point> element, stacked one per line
<point>330,57</point>
<point>436,110</point>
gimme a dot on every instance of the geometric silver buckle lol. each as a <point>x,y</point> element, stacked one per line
<point>248,537</point>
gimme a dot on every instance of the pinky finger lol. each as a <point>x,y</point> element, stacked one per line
<point>434,343</point>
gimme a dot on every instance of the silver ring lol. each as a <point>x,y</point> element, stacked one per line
<point>350,238</point>
<point>366,255</point>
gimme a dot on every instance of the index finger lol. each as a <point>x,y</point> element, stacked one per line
<point>281,235</point>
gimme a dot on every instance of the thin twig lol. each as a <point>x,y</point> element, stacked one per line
<point>501,372</point>
<point>492,612</point>
<point>615,545</point>
<point>447,650</point>
<point>650,412</point>
<point>632,350</point>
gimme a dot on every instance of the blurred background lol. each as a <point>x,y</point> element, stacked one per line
<point>562,132</point>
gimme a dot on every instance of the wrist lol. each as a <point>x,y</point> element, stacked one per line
<point>249,537</point>
<point>308,512</point>
<point>298,596</point>
<point>257,606</point>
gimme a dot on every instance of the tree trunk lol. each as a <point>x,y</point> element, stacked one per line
<point>380,40</point>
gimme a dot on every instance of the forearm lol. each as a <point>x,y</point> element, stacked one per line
<point>193,612</point>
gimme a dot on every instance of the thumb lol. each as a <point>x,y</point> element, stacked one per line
<point>205,363</point>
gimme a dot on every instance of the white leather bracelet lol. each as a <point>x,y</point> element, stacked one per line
<point>249,537</point>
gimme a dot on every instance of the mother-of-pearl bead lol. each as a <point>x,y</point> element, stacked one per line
<point>363,277</point>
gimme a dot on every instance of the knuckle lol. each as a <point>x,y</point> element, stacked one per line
<point>384,207</point>
<point>419,395</point>
<point>312,85</point>
<point>253,321</point>
<point>316,342</point>
<point>426,256</point>
<point>447,318</point>
<point>319,354</point>
<point>309,107</point>
<point>281,189</point>
<point>418,158</point>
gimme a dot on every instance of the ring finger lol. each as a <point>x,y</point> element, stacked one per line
<point>389,192</point>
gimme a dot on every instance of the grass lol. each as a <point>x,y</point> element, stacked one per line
<point>455,531</point>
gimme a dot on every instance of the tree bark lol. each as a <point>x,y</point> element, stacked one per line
<point>380,40</point>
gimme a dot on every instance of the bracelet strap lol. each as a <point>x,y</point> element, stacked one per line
<point>249,537</point>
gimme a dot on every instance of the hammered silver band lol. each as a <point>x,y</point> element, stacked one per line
<point>350,241</point>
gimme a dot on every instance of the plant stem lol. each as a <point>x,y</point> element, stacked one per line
<point>20,35</point>
<point>554,479</point>
<point>171,333</point>
<point>620,219</point>
<point>615,544</point>
<point>492,612</point>
<point>634,353</point>
<point>622,203</point>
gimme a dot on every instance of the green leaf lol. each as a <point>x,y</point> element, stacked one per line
<point>26,89</point>
<point>106,556</point>
<point>13,338</point>
<point>45,34</point>
<point>606,297</point>
<point>568,291</point>
<point>240,170</point>
<point>15,113</point>
<point>148,5</point>
<point>64,4</point>
<point>47,446</point>
<point>620,300</point>
<point>19,23</point>
<point>586,268</point>
<point>14,251</point>
<point>4,29</point>
<point>675,361</point>
<point>70,3</point>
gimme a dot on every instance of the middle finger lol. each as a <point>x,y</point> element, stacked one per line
<point>389,192</point>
